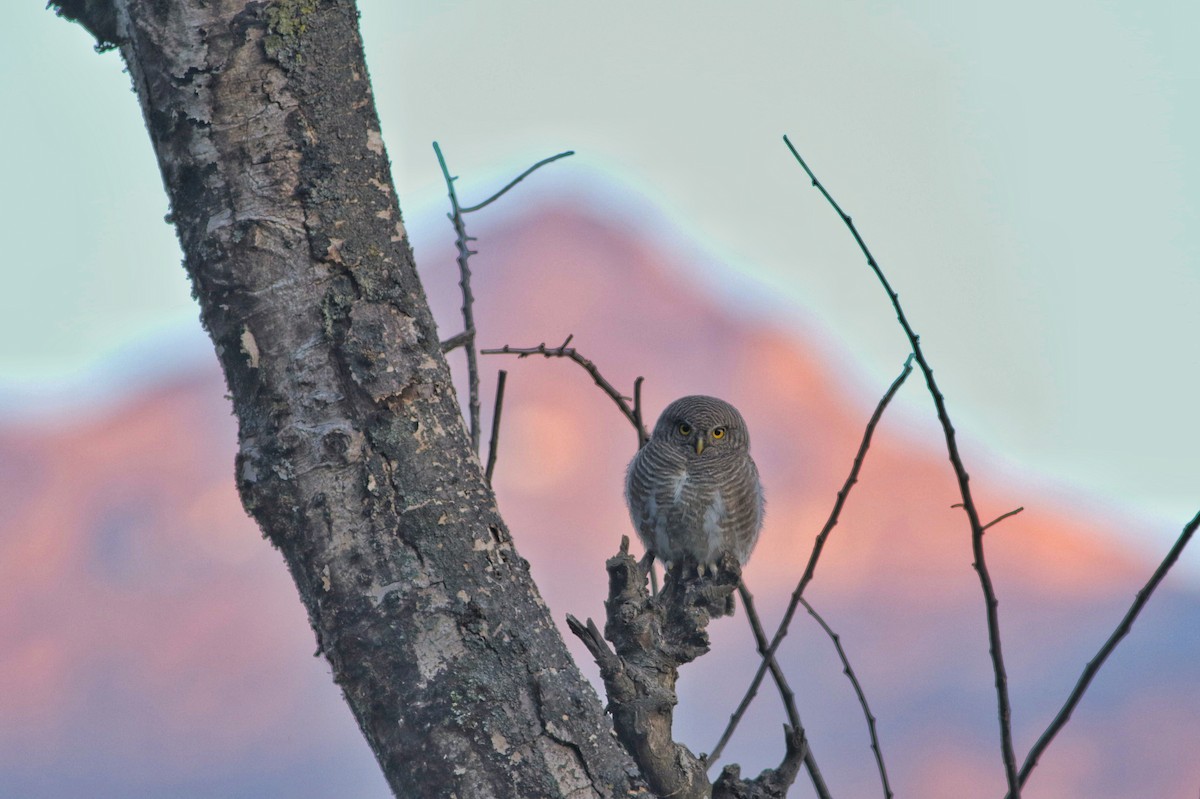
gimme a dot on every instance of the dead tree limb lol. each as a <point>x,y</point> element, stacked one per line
<point>1093,666</point>
<point>651,638</point>
<point>991,604</point>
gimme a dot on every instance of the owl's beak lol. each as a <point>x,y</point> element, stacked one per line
<point>699,444</point>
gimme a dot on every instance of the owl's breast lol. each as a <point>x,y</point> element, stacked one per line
<point>679,506</point>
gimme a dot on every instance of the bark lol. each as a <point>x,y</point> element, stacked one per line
<point>353,456</point>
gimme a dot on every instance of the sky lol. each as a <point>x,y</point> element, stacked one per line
<point>1026,174</point>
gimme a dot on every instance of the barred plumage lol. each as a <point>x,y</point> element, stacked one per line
<point>693,491</point>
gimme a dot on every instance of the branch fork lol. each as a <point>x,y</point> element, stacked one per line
<point>651,637</point>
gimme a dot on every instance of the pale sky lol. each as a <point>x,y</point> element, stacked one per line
<point>1027,174</point>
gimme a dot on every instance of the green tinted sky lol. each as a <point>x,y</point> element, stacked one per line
<point>1027,172</point>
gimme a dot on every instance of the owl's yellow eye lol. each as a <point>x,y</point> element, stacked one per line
<point>718,432</point>
<point>684,429</point>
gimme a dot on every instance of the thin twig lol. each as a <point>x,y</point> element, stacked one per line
<point>462,241</point>
<point>1093,666</point>
<point>785,692</point>
<point>862,698</point>
<point>454,342</point>
<point>818,546</point>
<point>1003,516</point>
<point>631,413</point>
<point>517,180</point>
<point>495,442</point>
<point>760,641</point>
<point>1003,703</point>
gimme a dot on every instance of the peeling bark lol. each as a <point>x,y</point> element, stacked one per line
<point>352,456</point>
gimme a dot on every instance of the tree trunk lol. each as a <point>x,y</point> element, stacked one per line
<point>353,455</point>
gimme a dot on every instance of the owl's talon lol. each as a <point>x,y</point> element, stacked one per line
<point>701,569</point>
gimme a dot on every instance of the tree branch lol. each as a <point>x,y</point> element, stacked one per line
<point>632,413</point>
<point>1002,517</point>
<point>501,379</point>
<point>517,180</point>
<point>454,342</point>
<point>1093,666</point>
<point>652,637</point>
<point>1004,707</point>
<point>848,670</point>
<point>785,693</point>
<point>467,337</point>
<point>462,241</point>
<point>760,640</point>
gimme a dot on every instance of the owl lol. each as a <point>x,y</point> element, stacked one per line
<point>693,491</point>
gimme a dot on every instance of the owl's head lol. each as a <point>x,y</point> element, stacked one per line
<point>704,427</point>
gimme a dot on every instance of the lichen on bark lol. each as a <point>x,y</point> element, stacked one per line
<point>287,21</point>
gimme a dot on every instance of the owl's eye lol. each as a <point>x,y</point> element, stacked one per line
<point>684,429</point>
<point>718,432</point>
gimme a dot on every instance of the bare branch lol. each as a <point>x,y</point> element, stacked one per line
<point>468,300</point>
<point>454,342</point>
<point>640,675</point>
<point>462,242</point>
<point>862,698</point>
<point>652,637</point>
<point>593,640</point>
<point>1002,517</point>
<point>1003,703</point>
<point>1093,666</point>
<point>772,783</point>
<point>785,693</point>
<point>495,442</point>
<point>517,180</point>
<point>760,640</point>
<point>632,413</point>
<point>818,546</point>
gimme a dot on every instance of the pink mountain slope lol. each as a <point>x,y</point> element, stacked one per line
<point>151,643</point>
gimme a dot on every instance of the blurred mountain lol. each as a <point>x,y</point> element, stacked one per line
<point>151,643</point>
